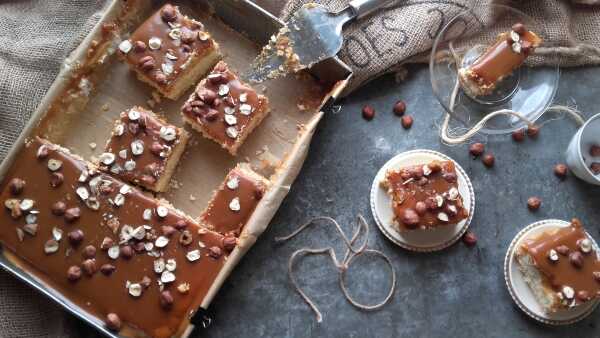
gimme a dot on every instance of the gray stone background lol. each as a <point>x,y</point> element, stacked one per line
<point>458,292</point>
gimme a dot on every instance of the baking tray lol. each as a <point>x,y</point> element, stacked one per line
<point>92,88</point>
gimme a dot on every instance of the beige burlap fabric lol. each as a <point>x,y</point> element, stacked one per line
<point>37,35</point>
<point>404,31</point>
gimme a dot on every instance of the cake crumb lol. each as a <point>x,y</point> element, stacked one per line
<point>192,197</point>
<point>104,107</point>
<point>92,145</point>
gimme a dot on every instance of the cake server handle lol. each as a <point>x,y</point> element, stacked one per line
<point>363,8</point>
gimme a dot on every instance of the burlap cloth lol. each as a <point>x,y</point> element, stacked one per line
<point>37,35</point>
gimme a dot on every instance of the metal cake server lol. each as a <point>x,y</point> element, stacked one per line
<point>312,34</point>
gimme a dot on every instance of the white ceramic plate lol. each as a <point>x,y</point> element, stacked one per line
<point>520,291</point>
<point>420,240</point>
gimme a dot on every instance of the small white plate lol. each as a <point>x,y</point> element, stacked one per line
<point>522,294</point>
<point>420,240</point>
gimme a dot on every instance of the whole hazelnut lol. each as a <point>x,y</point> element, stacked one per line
<point>180,224</point>
<point>168,13</point>
<point>563,250</point>
<point>113,322</point>
<point>74,273</point>
<point>167,230</point>
<point>469,238</point>
<point>410,218</point>
<point>156,148</point>
<point>107,269</point>
<point>534,203</point>
<point>476,149</point>
<point>518,135</point>
<point>488,160</point>
<point>215,252</point>
<point>89,266</point>
<point>407,121</point>
<point>56,179</point>
<point>435,166</point>
<point>126,251</point>
<point>229,243</point>
<point>166,300</point>
<point>596,276</point>
<point>576,258</point>
<point>595,150</point>
<point>421,208</point>
<point>139,46</point>
<point>89,251</point>
<point>75,237</point>
<point>160,78</point>
<point>146,63</point>
<point>399,108</point>
<point>368,112</point>
<point>560,170</point>
<point>16,186</point>
<point>59,208</point>
<point>72,214</point>
<point>583,295</point>
<point>533,131</point>
<point>450,177</point>
<point>595,168</point>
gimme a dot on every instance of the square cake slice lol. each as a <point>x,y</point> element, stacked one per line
<point>224,109</point>
<point>170,51</point>
<point>143,149</point>
<point>234,202</point>
<point>425,196</point>
<point>560,266</point>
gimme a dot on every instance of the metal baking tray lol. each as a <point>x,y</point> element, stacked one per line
<point>93,55</point>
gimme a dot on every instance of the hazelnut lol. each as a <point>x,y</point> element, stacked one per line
<point>595,150</point>
<point>72,214</point>
<point>146,63</point>
<point>59,208</point>
<point>107,242</point>
<point>410,218</point>
<point>215,252</point>
<point>534,203</point>
<point>168,13</point>
<point>168,230</point>
<point>139,247</point>
<point>368,112</point>
<point>180,224</point>
<point>469,238</point>
<point>518,135</point>
<point>166,300</point>
<point>563,250</point>
<point>89,266</point>
<point>488,160</point>
<point>89,251</point>
<point>43,152</point>
<point>56,179</point>
<point>107,269</point>
<point>211,115</point>
<point>519,28</point>
<point>133,128</point>
<point>229,243</point>
<point>583,295</point>
<point>217,78</point>
<point>435,166</point>
<point>113,322</point>
<point>596,276</point>
<point>16,186</point>
<point>399,108</point>
<point>187,36</point>
<point>560,170</point>
<point>75,237</point>
<point>421,208</point>
<point>450,177</point>
<point>576,258</point>
<point>533,131</point>
<point>416,172</point>
<point>595,168</point>
<point>477,149</point>
<point>126,251</point>
<point>148,180</point>
<point>139,46</point>
<point>73,273</point>
<point>160,78</point>
<point>156,148</point>
<point>146,281</point>
<point>431,203</point>
<point>206,95</point>
<point>407,121</point>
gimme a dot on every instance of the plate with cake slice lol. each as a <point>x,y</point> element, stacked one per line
<point>552,271</point>
<point>422,200</point>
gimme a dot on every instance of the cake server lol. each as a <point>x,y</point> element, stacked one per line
<point>311,35</point>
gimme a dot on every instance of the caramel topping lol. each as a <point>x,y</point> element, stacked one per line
<point>234,202</point>
<point>140,147</point>
<point>561,257</point>
<point>503,57</point>
<point>223,105</point>
<point>425,196</point>
<point>164,44</point>
<point>80,256</point>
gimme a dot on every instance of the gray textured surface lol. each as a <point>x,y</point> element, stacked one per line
<point>457,292</point>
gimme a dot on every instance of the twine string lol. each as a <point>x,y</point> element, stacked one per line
<point>352,251</point>
<point>459,139</point>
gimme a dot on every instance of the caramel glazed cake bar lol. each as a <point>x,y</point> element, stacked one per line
<point>130,260</point>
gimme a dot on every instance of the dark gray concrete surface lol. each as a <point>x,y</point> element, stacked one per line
<point>458,292</point>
